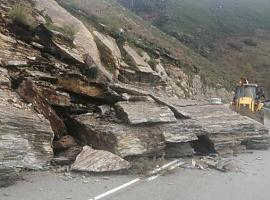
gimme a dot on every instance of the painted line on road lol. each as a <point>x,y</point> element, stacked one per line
<point>116,189</point>
<point>154,173</point>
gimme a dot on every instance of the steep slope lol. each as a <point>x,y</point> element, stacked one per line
<point>111,17</point>
<point>211,26</point>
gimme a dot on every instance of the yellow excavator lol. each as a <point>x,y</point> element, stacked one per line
<point>249,99</point>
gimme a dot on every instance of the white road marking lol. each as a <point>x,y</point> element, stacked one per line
<point>151,178</point>
<point>154,173</point>
<point>116,189</point>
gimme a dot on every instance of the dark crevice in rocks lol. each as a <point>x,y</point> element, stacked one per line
<point>203,145</point>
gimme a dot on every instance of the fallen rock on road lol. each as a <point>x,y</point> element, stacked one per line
<point>90,160</point>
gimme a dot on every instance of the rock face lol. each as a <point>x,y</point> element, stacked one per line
<point>84,40</point>
<point>90,160</point>
<point>25,137</point>
<point>144,112</point>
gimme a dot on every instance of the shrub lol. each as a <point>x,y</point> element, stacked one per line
<point>21,14</point>
<point>69,31</point>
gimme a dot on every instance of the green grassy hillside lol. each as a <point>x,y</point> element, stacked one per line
<point>205,20</point>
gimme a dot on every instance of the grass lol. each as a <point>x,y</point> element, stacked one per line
<point>22,14</point>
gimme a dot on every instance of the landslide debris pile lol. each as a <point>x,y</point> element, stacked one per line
<point>62,102</point>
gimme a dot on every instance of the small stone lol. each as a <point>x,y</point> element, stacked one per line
<point>85,181</point>
<point>6,194</point>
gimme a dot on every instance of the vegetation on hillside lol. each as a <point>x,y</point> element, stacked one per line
<point>110,17</point>
<point>234,35</point>
<point>213,37</point>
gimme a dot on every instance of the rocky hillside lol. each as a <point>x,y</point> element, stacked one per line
<point>79,91</point>
<point>231,34</point>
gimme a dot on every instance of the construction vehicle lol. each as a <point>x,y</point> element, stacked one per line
<point>249,99</point>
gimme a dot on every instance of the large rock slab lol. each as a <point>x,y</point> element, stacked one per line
<point>83,39</point>
<point>174,103</point>
<point>227,130</point>
<point>31,94</point>
<point>90,160</point>
<point>144,112</point>
<point>25,137</point>
<point>78,84</point>
<point>139,71</point>
<point>120,139</point>
<point>129,140</point>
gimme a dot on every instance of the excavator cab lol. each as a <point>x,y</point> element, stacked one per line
<point>248,95</point>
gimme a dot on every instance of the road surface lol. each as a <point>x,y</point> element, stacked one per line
<point>252,182</point>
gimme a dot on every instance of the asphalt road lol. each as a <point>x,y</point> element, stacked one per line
<point>252,182</point>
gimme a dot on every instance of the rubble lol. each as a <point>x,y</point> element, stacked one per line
<point>90,160</point>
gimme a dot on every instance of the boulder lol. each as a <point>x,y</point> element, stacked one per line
<point>25,137</point>
<point>30,93</point>
<point>90,160</point>
<point>136,60</point>
<point>111,54</point>
<point>120,139</point>
<point>144,112</point>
